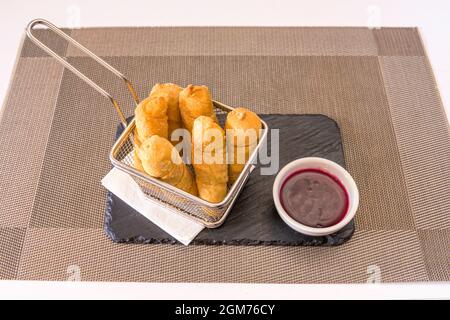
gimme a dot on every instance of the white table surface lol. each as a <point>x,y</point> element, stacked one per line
<point>432,18</point>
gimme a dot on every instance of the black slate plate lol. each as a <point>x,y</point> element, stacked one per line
<point>253,220</point>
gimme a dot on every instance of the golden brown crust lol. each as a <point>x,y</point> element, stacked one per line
<point>242,118</point>
<point>187,182</point>
<point>170,92</point>
<point>204,132</point>
<point>151,118</point>
<point>209,159</point>
<point>243,128</point>
<point>245,124</point>
<point>195,101</point>
<point>161,160</point>
<point>212,193</point>
<point>240,157</point>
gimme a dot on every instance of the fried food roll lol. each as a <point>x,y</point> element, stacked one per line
<point>195,101</point>
<point>151,118</point>
<point>209,159</point>
<point>170,92</point>
<point>243,127</point>
<point>161,160</point>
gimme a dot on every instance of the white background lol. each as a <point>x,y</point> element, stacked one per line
<point>432,18</point>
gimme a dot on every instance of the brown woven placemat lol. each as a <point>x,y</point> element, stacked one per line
<point>55,134</point>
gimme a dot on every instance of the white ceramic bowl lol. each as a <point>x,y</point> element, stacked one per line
<point>329,167</point>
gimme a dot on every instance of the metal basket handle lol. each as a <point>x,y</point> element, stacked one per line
<point>66,64</point>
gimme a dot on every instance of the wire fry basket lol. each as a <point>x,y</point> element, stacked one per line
<point>211,215</point>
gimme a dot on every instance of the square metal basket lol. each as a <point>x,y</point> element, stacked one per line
<point>209,214</point>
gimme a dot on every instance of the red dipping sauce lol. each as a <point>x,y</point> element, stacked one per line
<point>314,198</point>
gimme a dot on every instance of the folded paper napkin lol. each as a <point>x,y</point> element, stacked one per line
<point>124,187</point>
